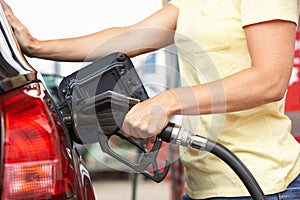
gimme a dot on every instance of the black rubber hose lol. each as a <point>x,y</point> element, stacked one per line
<point>238,167</point>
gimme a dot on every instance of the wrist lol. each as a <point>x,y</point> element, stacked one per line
<point>170,102</point>
<point>33,48</point>
<point>185,101</point>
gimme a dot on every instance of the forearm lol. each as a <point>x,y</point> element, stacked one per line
<point>131,41</point>
<point>84,48</point>
<point>244,90</point>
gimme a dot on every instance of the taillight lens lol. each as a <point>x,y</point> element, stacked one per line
<point>32,168</point>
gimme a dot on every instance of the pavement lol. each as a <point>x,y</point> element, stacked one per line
<point>121,187</point>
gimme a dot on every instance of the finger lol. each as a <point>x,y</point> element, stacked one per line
<point>152,139</point>
<point>13,20</point>
<point>6,8</point>
<point>138,138</point>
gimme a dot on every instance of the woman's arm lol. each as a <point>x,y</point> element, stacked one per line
<point>150,34</point>
<point>271,47</point>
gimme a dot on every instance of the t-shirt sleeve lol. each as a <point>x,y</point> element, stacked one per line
<point>255,11</point>
<point>176,3</point>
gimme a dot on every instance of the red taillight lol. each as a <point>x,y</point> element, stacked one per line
<point>32,167</point>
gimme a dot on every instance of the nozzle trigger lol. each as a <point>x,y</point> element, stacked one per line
<point>151,160</point>
<point>147,159</point>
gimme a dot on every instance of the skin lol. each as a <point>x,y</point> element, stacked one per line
<point>268,78</point>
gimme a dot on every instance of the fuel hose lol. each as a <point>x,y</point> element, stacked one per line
<point>238,167</point>
<point>176,134</point>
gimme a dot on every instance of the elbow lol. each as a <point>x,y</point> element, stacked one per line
<point>273,87</point>
<point>277,96</point>
<point>276,92</point>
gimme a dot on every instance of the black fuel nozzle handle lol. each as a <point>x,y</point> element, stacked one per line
<point>147,163</point>
<point>166,134</point>
<point>110,108</point>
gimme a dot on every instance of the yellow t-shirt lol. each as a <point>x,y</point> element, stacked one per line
<point>211,44</point>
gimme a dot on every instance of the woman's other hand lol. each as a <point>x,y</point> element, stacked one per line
<point>24,38</point>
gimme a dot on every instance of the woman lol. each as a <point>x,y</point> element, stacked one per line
<point>249,44</point>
